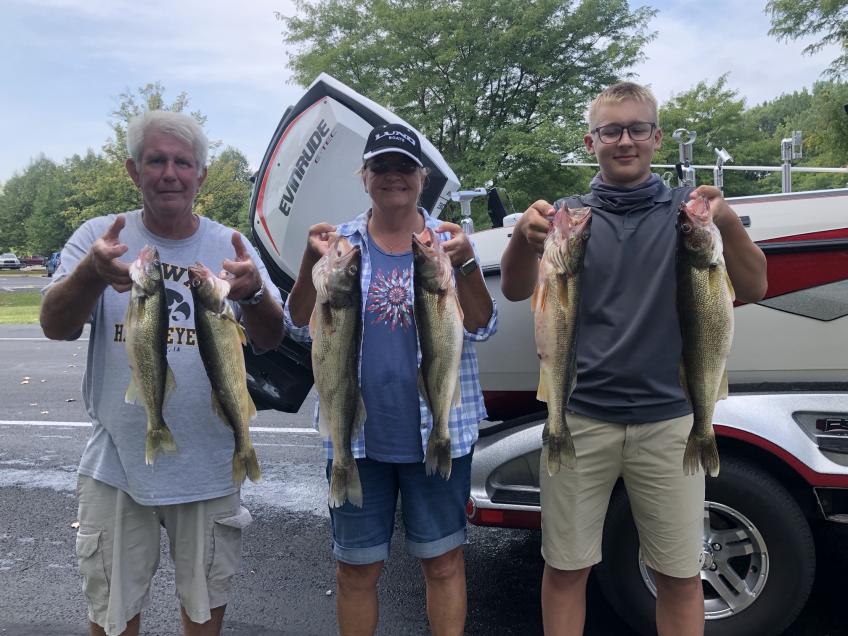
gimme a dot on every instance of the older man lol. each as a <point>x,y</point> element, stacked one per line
<point>191,492</point>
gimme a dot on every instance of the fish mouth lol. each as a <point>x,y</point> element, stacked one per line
<point>344,252</point>
<point>198,273</point>
<point>426,239</point>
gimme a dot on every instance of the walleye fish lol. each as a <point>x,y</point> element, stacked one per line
<point>220,338</point>
<point>336,328</point>
<point>438,319</point>
<point>146,328</point>
<point>705,306</point>
<point>555,303</point>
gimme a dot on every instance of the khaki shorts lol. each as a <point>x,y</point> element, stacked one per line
<point>118,552</point>
<point>668,506</point>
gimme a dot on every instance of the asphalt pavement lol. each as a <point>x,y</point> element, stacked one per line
<point>286,583</point>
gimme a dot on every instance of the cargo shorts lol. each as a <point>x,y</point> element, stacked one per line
<point>668,506</point>
<point>118,552</point>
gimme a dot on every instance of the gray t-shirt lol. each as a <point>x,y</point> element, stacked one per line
<point>202,469</point>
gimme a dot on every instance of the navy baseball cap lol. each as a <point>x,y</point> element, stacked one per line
<point>393,138</point>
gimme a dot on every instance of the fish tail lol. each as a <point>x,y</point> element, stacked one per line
<point>438,456</point>
<point>568,453</point>
<point>251,464</point>
<point>159,439</point>
<point>345,484</point>
<point>701,450</point>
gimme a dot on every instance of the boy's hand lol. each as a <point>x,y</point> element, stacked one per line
<point>721,211</point>
<point>534,224</point>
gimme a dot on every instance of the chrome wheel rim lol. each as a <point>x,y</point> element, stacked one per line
<point>734,562</point>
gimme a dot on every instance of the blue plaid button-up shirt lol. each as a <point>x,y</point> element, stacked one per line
<point>464,418</point>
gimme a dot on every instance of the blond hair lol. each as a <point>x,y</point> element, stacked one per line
<point>623,92</point>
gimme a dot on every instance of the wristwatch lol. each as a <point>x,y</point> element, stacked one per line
<point>255,298</point>
<point>468,266</point>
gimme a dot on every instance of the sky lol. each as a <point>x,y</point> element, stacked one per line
<point>66,63</point>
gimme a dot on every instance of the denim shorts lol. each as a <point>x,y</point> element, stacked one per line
<point>433,511</point>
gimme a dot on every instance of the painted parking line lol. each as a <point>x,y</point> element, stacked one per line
<point>253,429</point>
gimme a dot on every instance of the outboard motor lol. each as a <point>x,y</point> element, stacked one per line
<point>309,173</point>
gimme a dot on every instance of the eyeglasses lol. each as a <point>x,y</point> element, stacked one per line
<point>382,166</point>
<point>638,131</point>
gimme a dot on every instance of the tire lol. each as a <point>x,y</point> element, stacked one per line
<point>773,557</point>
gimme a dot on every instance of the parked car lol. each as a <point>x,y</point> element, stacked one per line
<point>782,433</point>
<point>32,260</point>
<point>9,261</point>
<point>52,263</point>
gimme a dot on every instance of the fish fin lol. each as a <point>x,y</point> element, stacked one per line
<point>246,465</point>
<point>457,394</point>
<point>158,440</point>
<point>170,383</point>
<point>730,286</point>
<point>459,310</point>
<point>242,335</point>
<point>537,301</point>
<point>313,325</point>
<point>219,408</point>
<point>360,414</point>
<point>344,484</point>
<point>562,289</point>
<point>684,382</point>
<point>542,391</point>
<point>422,390</point>
<point>438,456</point>
<point>131,396</point>
<point>723,388</point>
<point>239,469</point>
<point>701,451</point>
<point>323,424</point>
<point>251,463</point>
<point>561,451</point>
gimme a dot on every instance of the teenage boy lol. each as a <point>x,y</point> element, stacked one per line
<point>628,414</point>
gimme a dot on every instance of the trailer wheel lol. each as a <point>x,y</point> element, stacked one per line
<point>759,557</point>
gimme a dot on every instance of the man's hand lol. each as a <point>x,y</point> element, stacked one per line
<point>103,257</point>
<point>533,226</point>
<point>722,213</point>
<point>458,247</point>
<point>241,272</point>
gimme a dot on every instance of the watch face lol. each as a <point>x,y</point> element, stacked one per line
<point>467,267</point>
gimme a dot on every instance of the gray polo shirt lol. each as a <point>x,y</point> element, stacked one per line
<point>629,343</point>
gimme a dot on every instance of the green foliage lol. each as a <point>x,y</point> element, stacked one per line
<point>148,97</point>
<point>793,19</point>
<point>498,86</point>
<point>225,195</point>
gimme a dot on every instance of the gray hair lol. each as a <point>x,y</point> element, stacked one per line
<point>179,125</point>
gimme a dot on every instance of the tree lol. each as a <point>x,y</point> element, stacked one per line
<point>151,96</point>
<point>225,195</point>
<point>717,114</point>
<point>499,86</point>
<point>29,209</point>
<point>793,19</point>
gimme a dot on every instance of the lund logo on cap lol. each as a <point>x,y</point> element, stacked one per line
<point>395,135</point>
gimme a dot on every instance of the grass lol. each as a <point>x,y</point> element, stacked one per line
<point>19,308</point>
